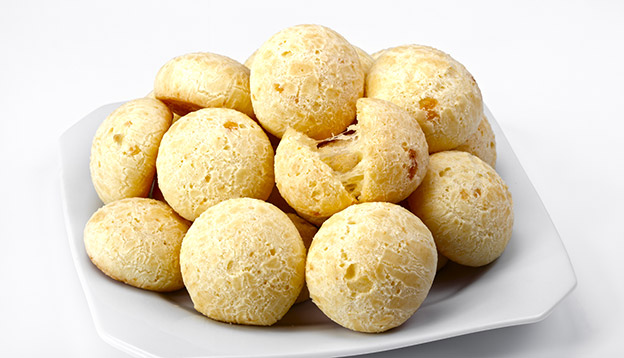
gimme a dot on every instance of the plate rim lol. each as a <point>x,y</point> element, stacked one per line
<point>140,352</point>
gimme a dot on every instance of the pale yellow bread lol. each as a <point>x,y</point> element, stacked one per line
<point>137,241</point>
<point>124,148</point>
<point>482,143</point>
<point>307,232</point>
<point>370,266</point>
<point>436,89</point>
<point>203,80</point>
<point>383,157</point>
<point>467,206</point>
<point>243,261</point>
<point>307,77</point>
<point>211,155</point>
<point>366,61</point>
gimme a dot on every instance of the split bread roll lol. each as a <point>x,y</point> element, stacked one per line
<point>306,77</point>
<point>383,157</point>
<point>436,89</point>
<point>137,241</point>
<point>203,80</point>
<point>482,143</point>
<point>371,266</point>
<point>243,262</point>
<point>211,155</point>
<point>467,207</point>
<point>124,149</point>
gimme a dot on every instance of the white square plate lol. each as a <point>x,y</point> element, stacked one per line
<point>522,286</point>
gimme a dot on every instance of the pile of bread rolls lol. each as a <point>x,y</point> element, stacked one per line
<point>312,170</point>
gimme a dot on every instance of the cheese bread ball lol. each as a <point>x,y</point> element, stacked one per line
<point>307,232</point>
<point>467,207</point>
<point>437,90</point>
<point>307,77</point>
<point>123,151</point>
<point>203,80</point>
<point>243,261</point>
<point>383,157</point>
<point>212,155</point>
<point>371,266</point>
<point>137,241</point>
<point>482,143</point>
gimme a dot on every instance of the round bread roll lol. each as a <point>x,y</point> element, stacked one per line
<point>371,266</point>
<point>137,241</point>
<point>437,90</point>
<point>307,77</point>
<point>482,143</point>
<point>203,80</point>
<point>307,232</point>
<point>467,207</point>
<point>212,155</point>
<point>123,151</point>
<point>383,157</point>
<point>243,261</point>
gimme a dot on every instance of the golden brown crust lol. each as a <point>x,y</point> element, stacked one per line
<point>137,241</point>
<point>436,89</point>
<point>467,206</point>
<point>381,158</point>
<point>243,261</point>
<point>307,77</point>
<point>124,149</point>
<point>212,155</point>
<point>482,143</point>
<point>203,80</point>
<point>371,266</point>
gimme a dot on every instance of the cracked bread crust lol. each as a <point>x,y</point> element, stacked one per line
<point>482,143</point>
<point>137,241</point>
<point>371,266</point>
<point>203,80</point>
<point>383,157</point>
<point>211,155</point>
<point>307,77</point>
<point>436,89</point>
<point>243,261</point>
<point>124,149</point>
<point>467,206</point>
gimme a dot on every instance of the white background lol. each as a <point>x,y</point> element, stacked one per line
<point>552,73</point>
